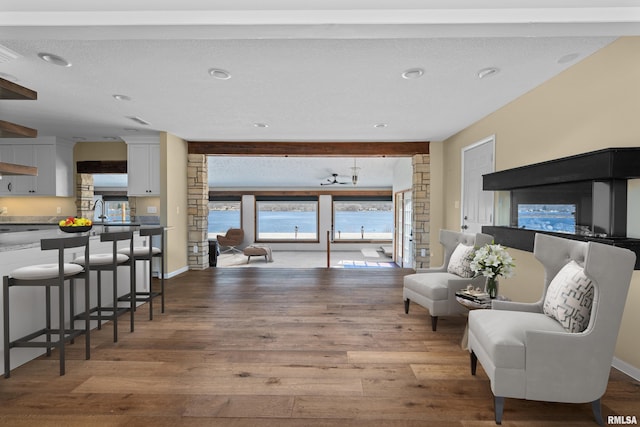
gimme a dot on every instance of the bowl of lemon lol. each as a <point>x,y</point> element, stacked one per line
<point>75,225</point>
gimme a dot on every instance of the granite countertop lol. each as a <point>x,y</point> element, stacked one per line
<point>16,240</point>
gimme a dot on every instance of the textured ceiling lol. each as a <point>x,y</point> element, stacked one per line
<point>320,71</point>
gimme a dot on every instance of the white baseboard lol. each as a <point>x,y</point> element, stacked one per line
<point>626,368</point>
<point>176,272</point>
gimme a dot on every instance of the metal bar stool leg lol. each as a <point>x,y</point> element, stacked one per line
<point>5,312</point>
<point>87,322</point>
<point>61,326</point>
<point>48,314</point>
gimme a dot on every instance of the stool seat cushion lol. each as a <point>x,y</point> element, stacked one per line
<point>140,251</point>
<point>102,259</point>
<point>45,271</point>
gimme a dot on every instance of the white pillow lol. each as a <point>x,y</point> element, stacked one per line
<point>570,297</point>
<point>460,261</point>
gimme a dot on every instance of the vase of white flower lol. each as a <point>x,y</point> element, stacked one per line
<point>491,287</point>
<point>492,261</point>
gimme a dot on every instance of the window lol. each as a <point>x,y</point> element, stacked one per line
<point>362,218</point>
<point>224,213</point>
<point>294,218</point>
<point>114,208</point>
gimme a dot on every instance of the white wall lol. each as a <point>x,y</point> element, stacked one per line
<point>402,175</point>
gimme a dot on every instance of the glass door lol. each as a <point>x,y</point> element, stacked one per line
<point>407,226</point>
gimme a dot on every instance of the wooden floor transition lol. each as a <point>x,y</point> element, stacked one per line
<point>276,347</point>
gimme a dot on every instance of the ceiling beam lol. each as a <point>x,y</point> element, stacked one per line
<point>101,166</point>
<point>10,90</point>
<point>309,149</point>
<point>12,130</point>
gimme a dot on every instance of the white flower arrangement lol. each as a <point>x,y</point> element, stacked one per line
<point>492,260</point>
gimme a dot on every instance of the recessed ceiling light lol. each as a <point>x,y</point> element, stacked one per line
<point>380,125</point>
<point>79,138</point>
<point>131,130</point>
<point>219,74</point>
<point>54,59</point>
<point>139,120</point>
<point>110,138</point>
<point>413,73</point>
<point>261,125</point>
<point>122,97</point>
<point>487,72</point>
<point>568,58</point>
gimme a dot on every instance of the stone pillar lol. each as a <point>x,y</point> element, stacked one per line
<point>198,211</point>
<point>84,195</point>
<point>421,195</point>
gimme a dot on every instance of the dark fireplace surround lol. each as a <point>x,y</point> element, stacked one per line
<point>595,182</point>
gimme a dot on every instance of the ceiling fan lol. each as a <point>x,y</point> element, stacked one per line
<point>334,181</point>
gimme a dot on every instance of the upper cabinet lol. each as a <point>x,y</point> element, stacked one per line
<point>53,159</point>
<point>143,166</point>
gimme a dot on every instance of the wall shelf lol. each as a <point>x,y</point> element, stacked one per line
<point>610,163</point>
<point>522,239</point>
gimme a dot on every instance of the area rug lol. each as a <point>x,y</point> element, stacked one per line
<point>366,264</point>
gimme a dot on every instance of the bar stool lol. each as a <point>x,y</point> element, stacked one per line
<point>110,262</point>
<point>49,276</point>
<point>147,253</point>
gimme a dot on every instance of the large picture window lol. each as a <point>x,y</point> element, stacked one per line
<point>224,213</point>
<point>291,219</point>
<point>362,218</point>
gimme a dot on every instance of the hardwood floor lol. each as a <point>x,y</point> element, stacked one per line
<point>272,347</point>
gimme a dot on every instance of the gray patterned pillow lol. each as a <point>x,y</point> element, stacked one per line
<point>569,298</point>
<point>460,261</point>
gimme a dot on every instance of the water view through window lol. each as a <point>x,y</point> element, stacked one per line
<point>354,220</point>
<point>223,215</point>
<point>560,218</point>
<point>287,220</point>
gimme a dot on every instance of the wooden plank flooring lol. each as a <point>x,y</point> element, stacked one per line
<point>275,347</point>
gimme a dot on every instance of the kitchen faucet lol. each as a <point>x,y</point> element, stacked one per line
<point>102,215</point>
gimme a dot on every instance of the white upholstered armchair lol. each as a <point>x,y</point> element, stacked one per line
<point>560,348</point>
<point>435,288</point>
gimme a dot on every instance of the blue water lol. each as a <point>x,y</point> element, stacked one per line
<point>372,221</point>
<point>221,221</point>
<point>556,218</point>
<point>285,222</point>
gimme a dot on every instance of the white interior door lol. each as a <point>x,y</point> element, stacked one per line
<point>477,205</point>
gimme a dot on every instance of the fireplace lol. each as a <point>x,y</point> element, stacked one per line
<point>583,197</point>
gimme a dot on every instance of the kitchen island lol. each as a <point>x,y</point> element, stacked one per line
<point>22,248</point>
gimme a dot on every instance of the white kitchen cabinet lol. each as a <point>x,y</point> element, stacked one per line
<point>143,169</point>
<point>6,182</point>
<point>54,161</point>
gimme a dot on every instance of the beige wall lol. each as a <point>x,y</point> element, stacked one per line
<point>173,202</point>
<point>36,206</point>
<point>590,106</point>
<point>116,150</point>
